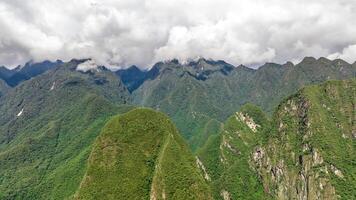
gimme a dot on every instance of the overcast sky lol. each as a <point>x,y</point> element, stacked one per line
<point>141,32</point>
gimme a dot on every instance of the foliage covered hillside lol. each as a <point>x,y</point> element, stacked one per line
<point>47,126</point>
<point>307,150</point>
<point>227,156</point>
<point>59,139</point>
<point>140,155</point>
<point>311,153</point>
<point>200,95</point>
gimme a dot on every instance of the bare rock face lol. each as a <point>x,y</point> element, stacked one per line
<point>201,166</point>
<point>245,118</point>
<point>225,195</point>
<point>302,181</point>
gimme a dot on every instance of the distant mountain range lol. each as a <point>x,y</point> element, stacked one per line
<point>201,94</point>
<point>276,132</point>
<point>21,73</point>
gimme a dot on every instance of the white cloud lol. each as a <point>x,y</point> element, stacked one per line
<point>142,32</point>
<point>348,54</point>
<point>87,65</point>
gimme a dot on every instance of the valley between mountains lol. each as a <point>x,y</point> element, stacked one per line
<point>199,130</point>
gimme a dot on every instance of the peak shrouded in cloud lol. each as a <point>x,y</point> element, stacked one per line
<point>141,32</point>
<point>87,65</point>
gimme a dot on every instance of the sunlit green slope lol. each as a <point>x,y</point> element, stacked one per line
<point>140,155</point>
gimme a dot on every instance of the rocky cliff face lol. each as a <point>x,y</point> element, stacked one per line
<point>305,152</point>
<point>311,152</point>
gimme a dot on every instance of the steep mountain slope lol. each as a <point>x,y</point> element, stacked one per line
<point>133,77</point>
<point>312,152</point>
<point>175,92</point>
<point>227,156</point>
<point>307,151</point>
<point>47,127</point>
<point>203,93</point>
<point>29,70</point>
<point>140,155</point>
<point>3,88</point>
<point>271,89</point>
<point>5,73</point>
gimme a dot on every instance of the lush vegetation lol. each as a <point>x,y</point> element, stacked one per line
<point>307,149</point>
<point>59,139</point>
<point>227,156</point>
<point>140,155</point>
<point>44,150</point>
<point>205,93</point>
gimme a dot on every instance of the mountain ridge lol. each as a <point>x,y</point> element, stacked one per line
<point>31,69</point>
<point>304,151</point>
<point>50,123</point>
<point>183,92</point>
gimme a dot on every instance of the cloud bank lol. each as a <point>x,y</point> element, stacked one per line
<point>141,32</point>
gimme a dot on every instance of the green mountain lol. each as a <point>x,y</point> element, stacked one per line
<point>47,127</point>
<point>199,95</point>
<point>312,151</point>
<point>50,149</point>
<point>306,151</point>
<point>227,156</point>
<point>141,155</point>
<point>73,133</point>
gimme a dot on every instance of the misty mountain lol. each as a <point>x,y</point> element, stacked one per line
<point>21,73</point>
<point>133,77</point>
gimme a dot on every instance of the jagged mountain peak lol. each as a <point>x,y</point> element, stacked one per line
<point>30,69</point>
<point>340,62</point>
<point>133,68</point>
<point>90,65</point>
<point>288,64</point>
<point>308,60</point>
<point>325,60</point>
<point>270,65</point>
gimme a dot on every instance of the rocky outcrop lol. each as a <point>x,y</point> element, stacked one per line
<point>245,118</point>
<point>305,152</point>
<point>299,162</point>
<point>225,195</point>
<point>201,166</point>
